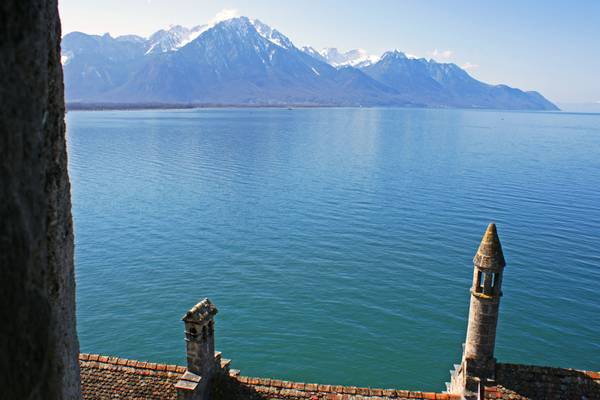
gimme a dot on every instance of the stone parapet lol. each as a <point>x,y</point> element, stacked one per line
<point>517,381</point>
<point>246,388</point>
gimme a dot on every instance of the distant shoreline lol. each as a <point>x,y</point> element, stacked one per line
<point>75,106</point>
<point>185,106</point>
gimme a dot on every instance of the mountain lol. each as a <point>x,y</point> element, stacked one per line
<point>311,51</point>
<point>441,84</point>
<point>238,61</point>
<point>354,58</point>
<point>173,38</point>
<point>94,65</point>
<point>242,61</point>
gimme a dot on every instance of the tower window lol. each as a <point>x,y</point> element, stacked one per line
<point>480,280</point>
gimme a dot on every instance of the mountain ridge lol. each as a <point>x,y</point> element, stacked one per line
<point>246,62</point>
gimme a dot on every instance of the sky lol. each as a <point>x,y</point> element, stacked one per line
<point>549,46</point>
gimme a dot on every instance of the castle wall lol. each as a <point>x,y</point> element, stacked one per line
<point>516,381</point>
<point>38,342</point>
<point>249,388</point>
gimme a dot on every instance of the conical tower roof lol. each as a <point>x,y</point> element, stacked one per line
<point>489,254</point>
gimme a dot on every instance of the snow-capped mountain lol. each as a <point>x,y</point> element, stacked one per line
<point>172,39</point>
<point>445,84</point>
<point>355,58</point>
<point>311,51</point>
<point>272,35</point>
<point>178,36</point>
<point>244,61</point>
<point>237,61</point>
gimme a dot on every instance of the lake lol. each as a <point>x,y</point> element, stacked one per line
<point>336,243</point>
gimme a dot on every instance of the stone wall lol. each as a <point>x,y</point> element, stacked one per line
<point>236,387</point>
<point>38,342</point>
<point>517,381</point>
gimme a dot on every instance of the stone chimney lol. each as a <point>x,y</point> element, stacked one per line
<point>478,364</point>
<point>200,349</point>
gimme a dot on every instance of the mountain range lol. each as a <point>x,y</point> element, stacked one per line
<point>243,61</point>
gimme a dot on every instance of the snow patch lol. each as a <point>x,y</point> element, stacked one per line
<point>194,34</point>
<point>352,58</point>
<point>174,38</point>
<point>272,35</point>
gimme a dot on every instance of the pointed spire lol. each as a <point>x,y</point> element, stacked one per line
<point>489,254</point>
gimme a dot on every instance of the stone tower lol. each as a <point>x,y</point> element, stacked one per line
<point>478,363</point>
<point>200,349</point>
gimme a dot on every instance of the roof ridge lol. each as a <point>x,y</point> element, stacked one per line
<point>124,362</point>
<point>341,389</point>
<point>547,367</point>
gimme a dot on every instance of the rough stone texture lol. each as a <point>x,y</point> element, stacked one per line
<point>38,342</point>
<point>202,361</point>
<point>489,254</point>
<point>478,363</point>
<point>248,388</point>
<point>485,299</point>
<point>522,382</point>
<point>200,338</point>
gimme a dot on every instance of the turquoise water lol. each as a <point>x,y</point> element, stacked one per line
<point>336,243</point>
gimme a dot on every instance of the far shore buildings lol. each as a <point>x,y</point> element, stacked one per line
<point>208,376</point>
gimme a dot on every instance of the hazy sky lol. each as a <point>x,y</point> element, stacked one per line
<point>551,46</point>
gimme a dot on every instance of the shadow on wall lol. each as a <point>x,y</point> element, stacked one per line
<point>535,382</point>
<point>227,388</point>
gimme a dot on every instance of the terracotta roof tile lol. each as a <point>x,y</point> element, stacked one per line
<point>180,369</point>
<point>112,377</point>
<point>276,383</point>
<point>324,388</point>
<point>349,390</point>
<point>362,391</point>
<point>105,377</point>
<point>172,368</point>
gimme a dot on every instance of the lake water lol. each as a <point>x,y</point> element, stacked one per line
<point>336,243</point>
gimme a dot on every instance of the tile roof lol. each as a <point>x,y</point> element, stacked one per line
<point>105,377</point>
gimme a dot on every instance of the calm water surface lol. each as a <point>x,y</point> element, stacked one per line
<point>336,243</point>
